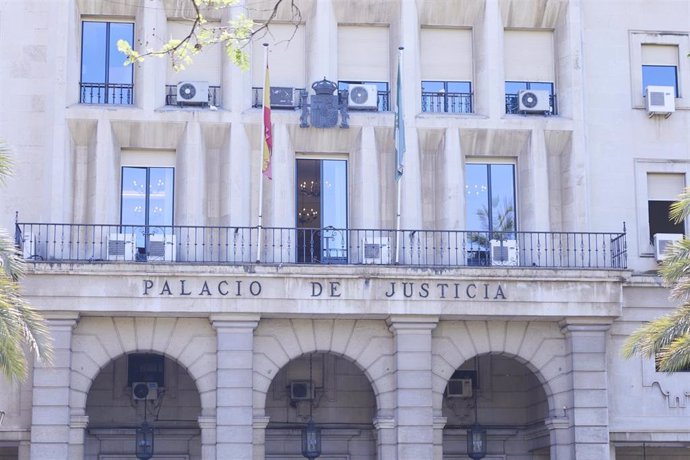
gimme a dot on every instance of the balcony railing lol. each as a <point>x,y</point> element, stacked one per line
<point>446,102</point>
<point>213,95</point>
<point>513,106</point>
<point>106,93</point>
<point>273,245</point>
<point>281,97</point>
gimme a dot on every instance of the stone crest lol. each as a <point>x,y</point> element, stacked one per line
<point>324,106</point>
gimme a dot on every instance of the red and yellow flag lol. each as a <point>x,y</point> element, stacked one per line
<point>268,137</point>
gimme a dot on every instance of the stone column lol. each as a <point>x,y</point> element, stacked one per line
<point>234,414</point>
<point>208,437</point>
<point>560,437</point>
<point>385,438</point>
<point>260,424</point>
<point>77,425</point>
<point>439,424</point>
<point>586,348</point>
<point>50,414</point>
<point>414,412</point>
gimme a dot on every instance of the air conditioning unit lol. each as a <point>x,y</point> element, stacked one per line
<point>192,93</point>
<point>162,247</point>
<point>660,100</point>
<point>363,97</point>
<point>376,250</point>
<point>121,246</point>
<point>301,391</point>
<point>534,101</point>
<point>282,97</point>
<point>662,241</point>
<point>29,246</point>
<point>504,252</point>
<point>459,388</point>
<point>144,391</point>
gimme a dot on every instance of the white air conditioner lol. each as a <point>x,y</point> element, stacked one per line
<point>376,250</point>
<point>534,101</point>
<point>192,93</point>
<point>362,97</point>
<point>660,100</point>
<point>29,246</point>
<point>282,97</point>
<point>144,391</point>
<point>162,247</point>
<point>504,252</point>
<point>459,388</point>
<point>662,241</point>
<point>121,246</point>
<point>301,391</point>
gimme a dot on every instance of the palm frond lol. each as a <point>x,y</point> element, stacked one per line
<point>653,337</point>
<point>680,210</point>
<point>5,162</point>
<point>675,357</point>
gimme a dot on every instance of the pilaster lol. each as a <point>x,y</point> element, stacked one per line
<point>386,439</point>
<point>260,424</point>
<point>208,436</point>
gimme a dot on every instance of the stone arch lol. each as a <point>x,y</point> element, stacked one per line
<point>99,340</point>
<point>367,343</point>
<point>539,345</point>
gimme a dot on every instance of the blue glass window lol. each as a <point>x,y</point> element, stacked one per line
<point>104,77</point>
<point>659,75</point>
<point>513,88</point>
<point>447,96</point>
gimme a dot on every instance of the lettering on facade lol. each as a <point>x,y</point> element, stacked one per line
<point>328,289</point>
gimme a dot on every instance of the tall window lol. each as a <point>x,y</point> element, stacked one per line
<point>659,66</point>
<point>322,210</point>
<point>490,207</point>
<point>104,77</point>
<point>147,208</point>
<point>529,57</point>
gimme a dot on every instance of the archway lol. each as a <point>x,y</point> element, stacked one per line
<point>507,399</point>
<point>139,387</point>
<point>336,394</point>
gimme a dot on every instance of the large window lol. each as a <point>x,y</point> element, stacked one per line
<point>529,58</point>
<point>321,211</point>
<point>490,208</point>
<point>104,77</point>
<point>147,210</point>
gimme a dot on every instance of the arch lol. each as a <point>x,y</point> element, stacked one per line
<point>539,345</point>
<point>366,343</point>
<point>96,341</point>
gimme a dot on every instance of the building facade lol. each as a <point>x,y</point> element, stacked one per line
<point>544,143</point>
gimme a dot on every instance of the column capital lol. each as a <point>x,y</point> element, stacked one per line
<point>79,421</point>
<point>585,324</point>
<point>557,423</point>
<point>440,422</point>
<point>234,321</point>
<point>61,318</point>
<point>207,422</point>
<point>382,423</point>
<point>399,323</point>
<point>260,422</point>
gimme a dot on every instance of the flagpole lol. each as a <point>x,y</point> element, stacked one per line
<point>398,146</point>
<point>262,141</point>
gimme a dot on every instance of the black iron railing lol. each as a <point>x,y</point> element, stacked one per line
<point>272,245</point>
<point>513,105</point>
<point>106,93</point>
<point>446,102</point>
<point>213,95</point>
<point>282,97</point>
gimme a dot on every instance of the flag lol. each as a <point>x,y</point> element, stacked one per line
<point>399,126</point>
<point>267,136</point>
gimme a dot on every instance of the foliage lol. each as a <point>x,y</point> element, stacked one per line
<point>20,325</point>
<point>667,339</point>
<point>233,36</point>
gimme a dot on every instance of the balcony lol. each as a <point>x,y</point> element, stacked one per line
<point>214,99</point>
<point>446,102</point>
<point>106,93</point>
<point>76,243</point>
<point>513,106</point>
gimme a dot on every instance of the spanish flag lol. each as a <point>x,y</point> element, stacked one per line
<point>267,136</point>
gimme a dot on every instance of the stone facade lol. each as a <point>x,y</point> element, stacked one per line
<point>249,351</point>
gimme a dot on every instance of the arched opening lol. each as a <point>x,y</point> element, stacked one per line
<point>505,398</point>
<point>137,388</point>
<point>338,397</point>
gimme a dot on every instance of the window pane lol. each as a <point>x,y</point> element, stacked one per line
<point>161,196</point>
<point>433,86</point>
<point>541,86</point>
<point>514,87</point>
<point>459,87</point>
<point>476,197</point>
<point>659,221</point>
<point>502,192</point>
<point>334,207</point>
<point>93,52</point>
<point>659,75</point>
<point>117,71</point>
<point>308,194</point>
<point>133,196</point>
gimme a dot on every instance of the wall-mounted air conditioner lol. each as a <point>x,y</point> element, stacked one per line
<point>534,101</point>
<point>363,97</point>
<point>192,93</point>
<point>29,246</point>
<point>660,100</point>
<point>144,391</point>
<point>459,388</point>
<point>162,247</point>
<point>301,391</point>
<point>662,241</point>
<point>504,252</point>
<point>283,97</point>
<point>121,246</point>
<point>376,250</point>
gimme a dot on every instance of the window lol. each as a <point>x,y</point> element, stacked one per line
<point>382,93</point>
<point>146,367</point>
<point>447,96</point>
<point>147,210</point>
<point>529,64</point>
<point>321,211</point>
<point>489,207</point>
<point>663,191</point>
<point>659,66</point>
<point>513,89</point>
<point>104,77</point>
